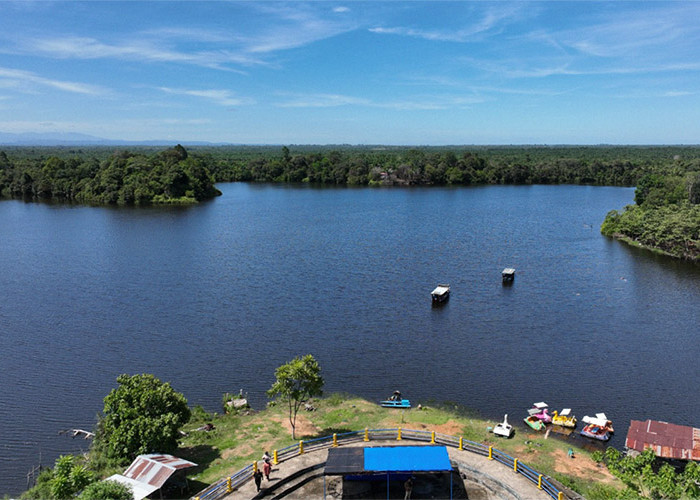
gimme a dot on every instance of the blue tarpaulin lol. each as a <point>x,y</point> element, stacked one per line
<point>407,459</point>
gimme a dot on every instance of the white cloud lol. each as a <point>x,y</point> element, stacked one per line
<point>19,78</point>
<point>322,101</point>
<point>490,21</point>
<point>222,97</point>
<point>417,103</point>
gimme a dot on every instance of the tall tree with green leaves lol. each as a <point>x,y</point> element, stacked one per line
<point>142,415</point>
<point>297,381</point>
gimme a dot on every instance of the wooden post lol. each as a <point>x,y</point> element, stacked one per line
<point>274,457</point>
<point>366,434</point>
<point>461,444</point>
<point>432,437</point>
<point>301,447</point>
<point>560,496</point>
<point>515,465</point>
<point>398,436</point>
<point>229,489</point>
<point>255,467</point>
<point>335,440</point>
<point>539,481</point>
<point>490,452</point>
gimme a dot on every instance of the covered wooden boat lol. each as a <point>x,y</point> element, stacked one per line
<point>508,275</point>
<point>534,422</point>
<point>503,428</point>
<point>565,418</point>
<point>440,294</point>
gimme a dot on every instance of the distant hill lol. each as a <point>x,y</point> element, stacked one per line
<point>75,139</point>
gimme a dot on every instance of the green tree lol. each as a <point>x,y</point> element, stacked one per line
<point>297,381</point>
<point>142,415</point>
<point>106,490</point>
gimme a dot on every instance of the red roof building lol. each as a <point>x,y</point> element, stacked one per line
<point>667,440</point>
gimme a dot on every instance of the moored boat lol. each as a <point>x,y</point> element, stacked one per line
<point>395,401</point>
<point>534,422</point>
<point>565,418</point>
<point>440,294</point>
<point>595,432</point>
<point>598,427</point>
<point>503,428</point>
<point>539,410</point>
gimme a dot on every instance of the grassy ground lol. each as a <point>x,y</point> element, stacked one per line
<point>238,440</point>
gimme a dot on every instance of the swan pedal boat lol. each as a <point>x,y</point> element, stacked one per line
<point>503,428</point>
<point>539,410</point>
<point>565,418</point>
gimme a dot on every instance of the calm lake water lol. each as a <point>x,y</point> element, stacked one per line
<point>213,298</point>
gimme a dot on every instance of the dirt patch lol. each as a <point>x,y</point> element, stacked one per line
<point>450,427</point>
<point>304,427</point>
<point>580,466</point>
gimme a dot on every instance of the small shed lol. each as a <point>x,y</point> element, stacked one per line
<point>148,473</point>
<point>667,440</point>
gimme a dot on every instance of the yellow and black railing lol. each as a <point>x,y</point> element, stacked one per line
<point>230,484</point>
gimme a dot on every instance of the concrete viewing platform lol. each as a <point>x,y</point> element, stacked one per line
<point>474,477</point>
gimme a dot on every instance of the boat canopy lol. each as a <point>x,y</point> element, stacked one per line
<point>441,290</point>
<point>600,422</point>
<point>541,405</point>
<point>565,412</point>
<point>508,270</point>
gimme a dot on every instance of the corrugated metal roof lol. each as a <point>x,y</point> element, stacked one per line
<point>668,440</point>
<point>155,469</point>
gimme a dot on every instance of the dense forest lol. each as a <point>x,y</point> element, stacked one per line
<point>665,216</point>
<point>666,213</point>
<point>123,178</point>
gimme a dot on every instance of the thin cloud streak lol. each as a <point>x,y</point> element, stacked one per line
<point>221,97</point>
<point>19,78</point>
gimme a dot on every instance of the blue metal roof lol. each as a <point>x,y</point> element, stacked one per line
<point>407,459</point>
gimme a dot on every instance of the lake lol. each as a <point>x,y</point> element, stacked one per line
<point>212,298</point>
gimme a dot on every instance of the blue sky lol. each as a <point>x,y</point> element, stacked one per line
<point>261,72</point>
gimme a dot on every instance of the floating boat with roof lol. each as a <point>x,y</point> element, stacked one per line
<point>598,427</point>
<point>440,294</point>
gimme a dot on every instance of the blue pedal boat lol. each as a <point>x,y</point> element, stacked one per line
<point>401,403</point>
<point>395,401</point>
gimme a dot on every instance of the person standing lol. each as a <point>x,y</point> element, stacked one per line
<point>267,467</point>
<point>408,486</point>
<point>257,476</point>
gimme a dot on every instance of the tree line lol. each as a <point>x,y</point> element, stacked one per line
<point>123,178</point>
<point>100,175</point>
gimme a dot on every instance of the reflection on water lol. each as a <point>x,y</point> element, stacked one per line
<point>213,298</point>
